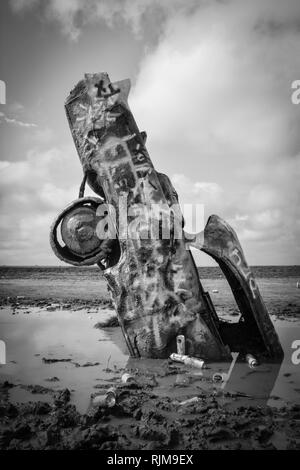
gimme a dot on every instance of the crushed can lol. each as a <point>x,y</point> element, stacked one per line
<point>128,378</point>
<point>105,400</point>
<point>187,360</point>
<point>189,401</point>
<point>218,377</point>
<point>252,361</point>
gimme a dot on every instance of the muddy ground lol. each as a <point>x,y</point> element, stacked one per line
<point>141,419</point>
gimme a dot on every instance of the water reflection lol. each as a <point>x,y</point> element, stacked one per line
<point>96,358</point>
<point>273,384</point>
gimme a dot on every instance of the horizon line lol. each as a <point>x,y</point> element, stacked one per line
<point>94,265</point>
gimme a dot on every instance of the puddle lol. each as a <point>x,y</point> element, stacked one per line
<point>94,358</point>
<point>60,334</point>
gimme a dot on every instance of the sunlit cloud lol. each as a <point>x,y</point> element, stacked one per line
<point>213,94</point>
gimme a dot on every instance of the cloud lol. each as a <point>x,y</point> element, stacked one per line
<point>74,15</point>
<point>32,192</point>
<point>220,83</point>
<point>20,5</point>
<point>214,95</point>
<point>18,133</point>
<point>196,190</point>
<point>15,122</point>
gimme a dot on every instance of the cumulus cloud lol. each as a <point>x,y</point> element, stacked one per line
<point>215,98</point>
<point>32,192</point>
<point>74,15</point>
<point>220,83</point>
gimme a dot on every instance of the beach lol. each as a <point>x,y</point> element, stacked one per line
<point>58,357</point>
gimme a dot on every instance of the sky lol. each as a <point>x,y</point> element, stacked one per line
<point>211,85</point>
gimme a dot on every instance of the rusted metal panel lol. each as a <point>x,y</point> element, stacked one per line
<point>221,242</point>
<point>144,254</point>
<point>155,285</point>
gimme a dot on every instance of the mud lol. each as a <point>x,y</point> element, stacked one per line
<point>286,311</point>
<point>141,419</point>
<point>110,322</point>
<point>57,374</point>
<point>24,304</point>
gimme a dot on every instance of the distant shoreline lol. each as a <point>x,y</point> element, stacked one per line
<point>55,266</point>
<point>77,288</point>
<point>93,272</point>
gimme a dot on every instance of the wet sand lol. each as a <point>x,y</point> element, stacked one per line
<point>57,360</point>
<point>86,288</point>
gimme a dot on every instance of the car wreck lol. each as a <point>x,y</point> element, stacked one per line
<point>150,271</point>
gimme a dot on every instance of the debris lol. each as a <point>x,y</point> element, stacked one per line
<point>252,361</point>
<point>198,422</point>
<point>105,400</point>
<point>53,307</point>
<point>218,377</point>
<point>187,360</point>
<point>189,401</point>
<point>127,378</point>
